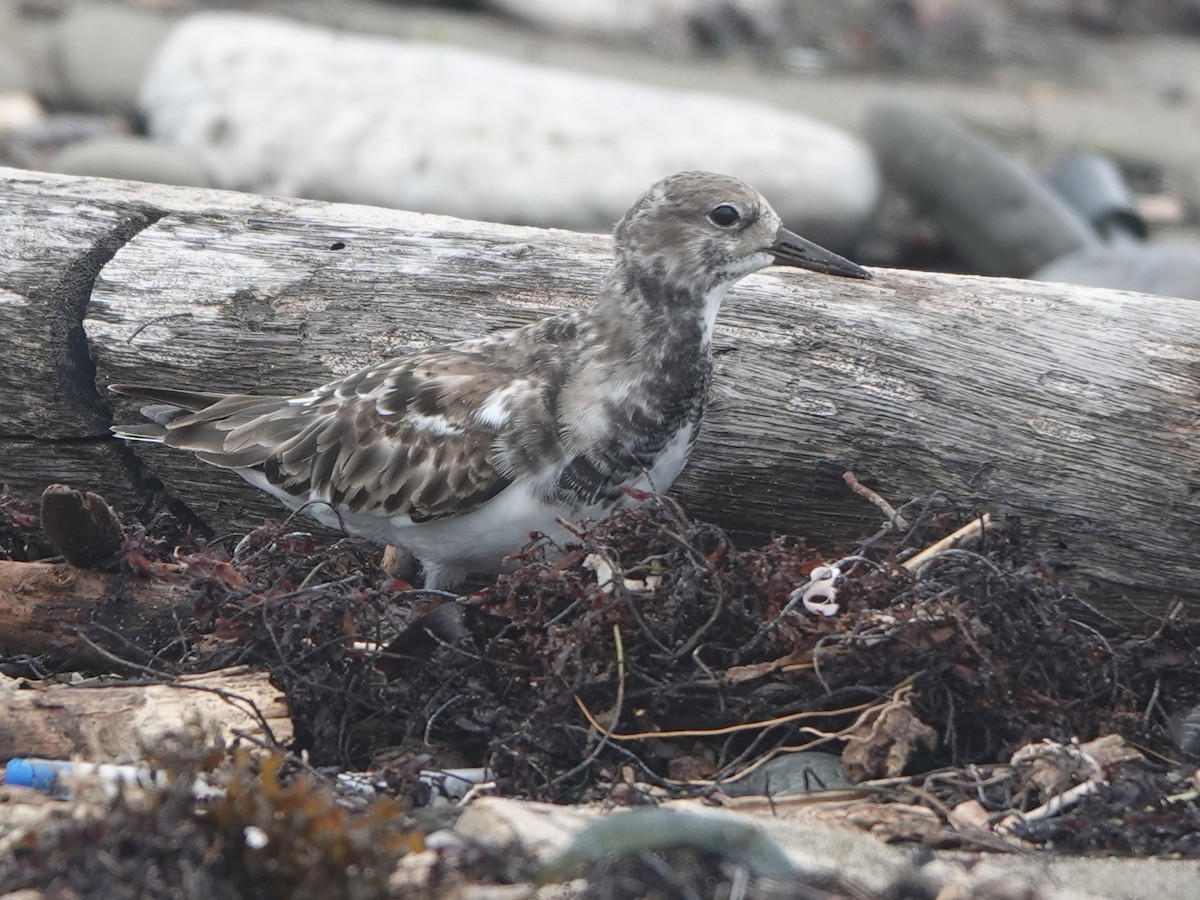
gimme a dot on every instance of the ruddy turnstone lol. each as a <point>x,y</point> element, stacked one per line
<point>459,453</point>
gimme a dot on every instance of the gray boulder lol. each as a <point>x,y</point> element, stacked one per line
<point>279,108</point>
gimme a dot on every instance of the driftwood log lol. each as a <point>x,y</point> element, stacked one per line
<point>1075,409</point>
<point>112,723</point>
<point>88,618</point>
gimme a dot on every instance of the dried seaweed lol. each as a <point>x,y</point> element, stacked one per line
<point>651,653</point>
<point>261,836</point>
<point>21,537</point>
<point>557,676</point>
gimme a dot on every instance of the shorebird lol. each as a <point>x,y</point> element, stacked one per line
<point>460,453</point>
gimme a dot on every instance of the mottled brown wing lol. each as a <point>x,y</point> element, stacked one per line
<point>415,436</point>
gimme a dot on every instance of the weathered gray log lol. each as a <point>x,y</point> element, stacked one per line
<point>1077,409</point>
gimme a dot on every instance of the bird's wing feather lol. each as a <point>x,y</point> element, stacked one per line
<point>429,435</point>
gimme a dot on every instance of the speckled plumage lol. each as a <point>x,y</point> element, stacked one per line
<point>457,453</point>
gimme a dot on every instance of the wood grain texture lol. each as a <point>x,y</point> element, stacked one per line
<point>113,723</point>
<point>1076,409</point>
<point>45,607</point>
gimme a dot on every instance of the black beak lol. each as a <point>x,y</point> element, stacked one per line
<point>790,249</point>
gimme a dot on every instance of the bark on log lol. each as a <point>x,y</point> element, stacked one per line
<point>112,723</point>
<point>1077,409</point>
<point>46,607</point>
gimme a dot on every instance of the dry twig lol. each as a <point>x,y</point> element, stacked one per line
<point>969,532</point>
<point>895,520</point>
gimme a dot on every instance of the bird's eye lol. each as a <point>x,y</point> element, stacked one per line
<point>724,215</point>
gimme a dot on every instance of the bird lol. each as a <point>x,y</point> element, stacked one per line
<point>462,453</point>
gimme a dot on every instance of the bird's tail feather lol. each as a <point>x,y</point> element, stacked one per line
<point>173,403</point>
<point>154,434</point>
<point>175,397</point>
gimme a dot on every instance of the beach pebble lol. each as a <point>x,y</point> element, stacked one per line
<point>1170,270</point>
<point>131,158</point>
<point>19,110</point>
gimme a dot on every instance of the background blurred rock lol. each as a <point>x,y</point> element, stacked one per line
<point>87,56</point>
<point>279,108</point>
<point>129,157</point>
<point>681,26</point>
<point>1079,225</point>
<point>992,212</point>
<point>923,34</point>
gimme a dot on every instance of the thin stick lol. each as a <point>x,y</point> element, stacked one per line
<point>968,532</point>
<point>1053,806</point>
<point>894,518</point>
<point>716,732</point>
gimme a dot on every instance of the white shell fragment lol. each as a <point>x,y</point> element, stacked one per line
<point>820,594</point>
<point>607,574</point>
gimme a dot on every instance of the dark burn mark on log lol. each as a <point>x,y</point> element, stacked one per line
<point>251,309</point>
<point>74,367</point>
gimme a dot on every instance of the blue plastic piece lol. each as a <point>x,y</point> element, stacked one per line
<point>39,774</point>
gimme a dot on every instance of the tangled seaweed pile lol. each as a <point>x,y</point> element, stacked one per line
<point>258,836</point>
<point>656,645</point>
<point>654,659</point>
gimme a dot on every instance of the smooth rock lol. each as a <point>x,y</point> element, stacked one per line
<point>99,53</point>
<point>1169,270</point>
<point>131,158</point>
<point>1092,184</point>
<point>791,773</point>
<point>677,24</point>
<point>19,111</point>
<point>278,108</point>
<point>999,217</point>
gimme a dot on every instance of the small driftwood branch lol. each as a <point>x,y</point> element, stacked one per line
<point>969,532</point>
<point>894,519</point>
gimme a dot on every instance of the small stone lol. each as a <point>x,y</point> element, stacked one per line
<point>19,110</point>
<point>130,158</point>
<point>83,528</point>
<point>399,563</point>
<point>100,51</point>
<point>791,773</point>
<point>1170,270</point>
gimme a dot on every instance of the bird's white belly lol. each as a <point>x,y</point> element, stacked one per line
<point>670,461</point>
<point>480,540</point>
<point>452,547</point>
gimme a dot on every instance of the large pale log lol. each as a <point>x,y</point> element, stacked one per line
<point>1076,409</point>
<point>112,723</point>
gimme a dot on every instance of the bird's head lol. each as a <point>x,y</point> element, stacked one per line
<point>706,231</point>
